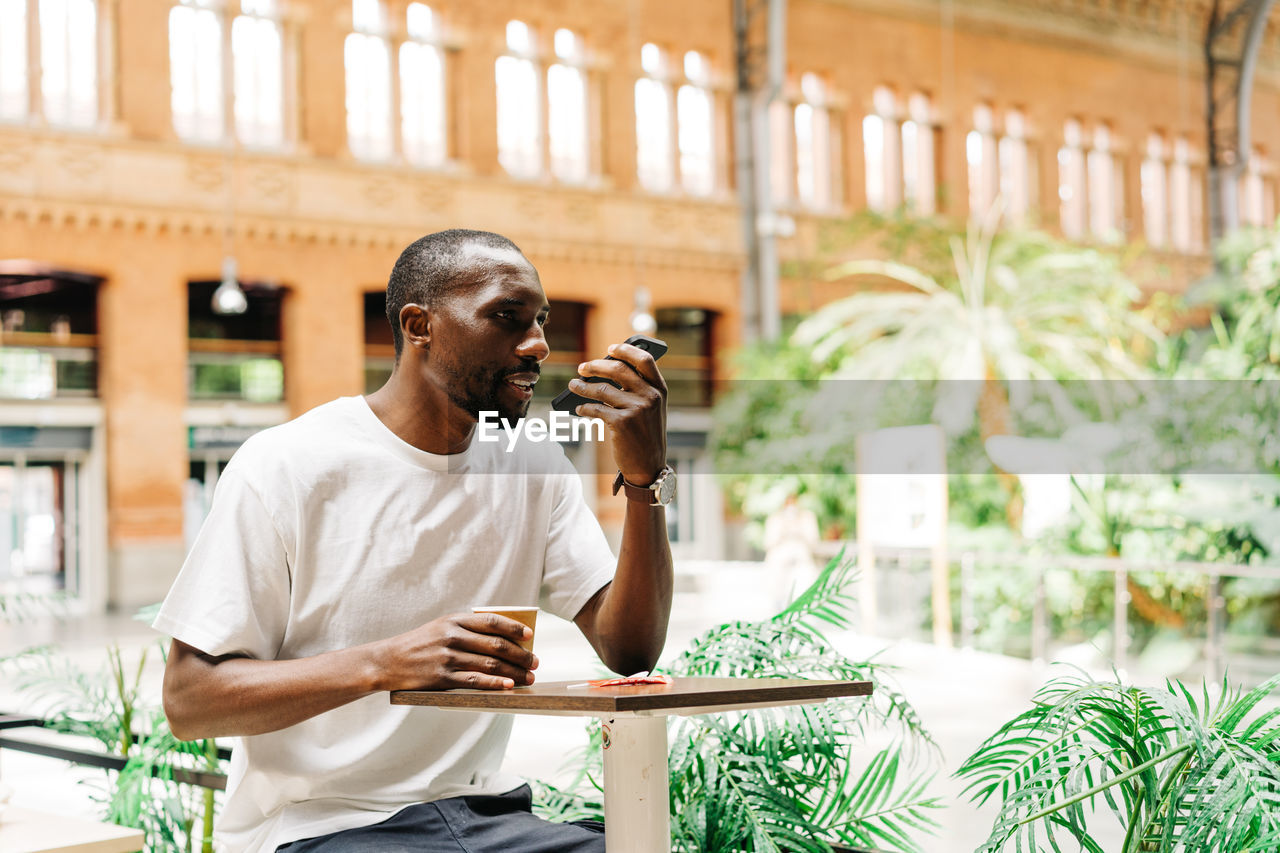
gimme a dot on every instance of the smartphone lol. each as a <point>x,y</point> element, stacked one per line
<point>567,401</point>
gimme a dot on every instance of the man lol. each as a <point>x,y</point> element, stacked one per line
<point>344,549</point>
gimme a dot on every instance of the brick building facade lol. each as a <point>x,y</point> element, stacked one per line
<point>142,142</point>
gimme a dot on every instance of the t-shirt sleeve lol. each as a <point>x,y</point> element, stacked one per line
<point>579,562</point>
<point>232,594</point>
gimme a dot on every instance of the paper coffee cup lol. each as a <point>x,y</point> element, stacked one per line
<point>523,615</point>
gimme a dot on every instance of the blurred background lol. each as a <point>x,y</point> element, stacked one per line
<point>927,269</point>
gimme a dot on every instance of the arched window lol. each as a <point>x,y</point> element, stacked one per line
<point>1257,201</point>
<point>519,99</point>
<point>69,62</point>
<point>980,152</point>
<point>258,58</point>
<point>1072,181</point>
<point>195,71</point>
<point>880,141</point>
<point>813,144</point>
<point>1185,223</point>
<point>1016,180</point>
<point>655,165</point>
<point>202,48</point>
<point>1104,187</point>
<point>919,180</point>
<point>695,121</point>
<point>1154,177</point>
<point>65,41</point>
<point>367,60</point>
<point>14,88</point>
<point>422,93</point>
<point>567,110</point>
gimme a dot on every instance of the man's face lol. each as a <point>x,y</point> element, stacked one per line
<point>487,344</point>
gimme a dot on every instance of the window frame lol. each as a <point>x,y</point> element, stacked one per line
<point>434,44</point>
<point>658,81</point>
<point>882,187</point>
<point>32,107</point>
<point>700,93</point>
<point>227,122</point>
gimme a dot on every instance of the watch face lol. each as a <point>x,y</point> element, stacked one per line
<point>667,487</point>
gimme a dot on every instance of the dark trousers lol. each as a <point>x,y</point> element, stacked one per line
<point>462,825</point>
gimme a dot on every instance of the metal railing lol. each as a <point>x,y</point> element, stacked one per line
<point>97,758</point>
<point>966,563</point>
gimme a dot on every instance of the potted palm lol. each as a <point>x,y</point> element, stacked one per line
<point>1177,770</point>
<point>798,778</point>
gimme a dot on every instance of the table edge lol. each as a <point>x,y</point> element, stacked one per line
<point>620,702</point>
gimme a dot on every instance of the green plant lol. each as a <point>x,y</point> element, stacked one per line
<point>1244,338</point>
<point>147,796</point>
<point>1179,772</point>
<point>797,778</point>
<point>108,706</point>
<point>978,330</point>
<point>1013,306</point>
<point>24,606</point>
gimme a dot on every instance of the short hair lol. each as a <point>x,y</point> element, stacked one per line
<point>427,269</point>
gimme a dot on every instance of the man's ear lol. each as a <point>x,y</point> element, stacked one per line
<point>415,326</point>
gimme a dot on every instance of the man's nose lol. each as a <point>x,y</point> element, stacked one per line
<point>534,344</point>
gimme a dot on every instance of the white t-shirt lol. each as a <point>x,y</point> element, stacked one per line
<point>329,531</point>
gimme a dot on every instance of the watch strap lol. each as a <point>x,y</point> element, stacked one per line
<point>647,495</point>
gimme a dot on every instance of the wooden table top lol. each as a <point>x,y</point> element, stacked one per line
<point>718,693</point>
<point>29,831</point>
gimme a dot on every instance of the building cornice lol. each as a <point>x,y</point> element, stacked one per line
<point>1166,33</point>
<point>80,183</point>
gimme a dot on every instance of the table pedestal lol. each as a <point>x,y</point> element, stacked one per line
<point>637,812</point>
<point>636,794</point>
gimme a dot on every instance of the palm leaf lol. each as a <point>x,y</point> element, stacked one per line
<point>1179,772</point>
<point>783,778</point>
<point>874,809</point>
<point>908,275</point>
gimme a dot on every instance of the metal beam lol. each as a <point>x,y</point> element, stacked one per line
<point>1232,39</point>
<point>759,28</point>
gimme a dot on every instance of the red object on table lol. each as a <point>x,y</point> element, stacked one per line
<point>633,679</point>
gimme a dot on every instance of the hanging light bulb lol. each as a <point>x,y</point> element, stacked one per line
<point>229,298</point>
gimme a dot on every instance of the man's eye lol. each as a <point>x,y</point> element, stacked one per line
<point>542,321</point>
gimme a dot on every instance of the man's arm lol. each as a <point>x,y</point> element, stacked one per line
<point>208,696</point>
<point>626,622</point>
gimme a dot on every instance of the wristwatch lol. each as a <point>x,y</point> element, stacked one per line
<point>660,492</point>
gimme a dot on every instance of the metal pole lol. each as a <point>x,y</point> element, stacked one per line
<point>1213,651</point>
<point>968,621</point>
<point>744,143</point>
<point>752,101</point>
<point>1039,620</point>
<point>1120,646</point>
<point>767,222</point>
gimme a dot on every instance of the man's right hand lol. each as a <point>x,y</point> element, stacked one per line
<point>230,695</point>
<point>475,650</point>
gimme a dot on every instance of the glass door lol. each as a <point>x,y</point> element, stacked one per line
<point>39,524</point>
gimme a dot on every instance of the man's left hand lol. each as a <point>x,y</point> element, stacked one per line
<point>635,412</point>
